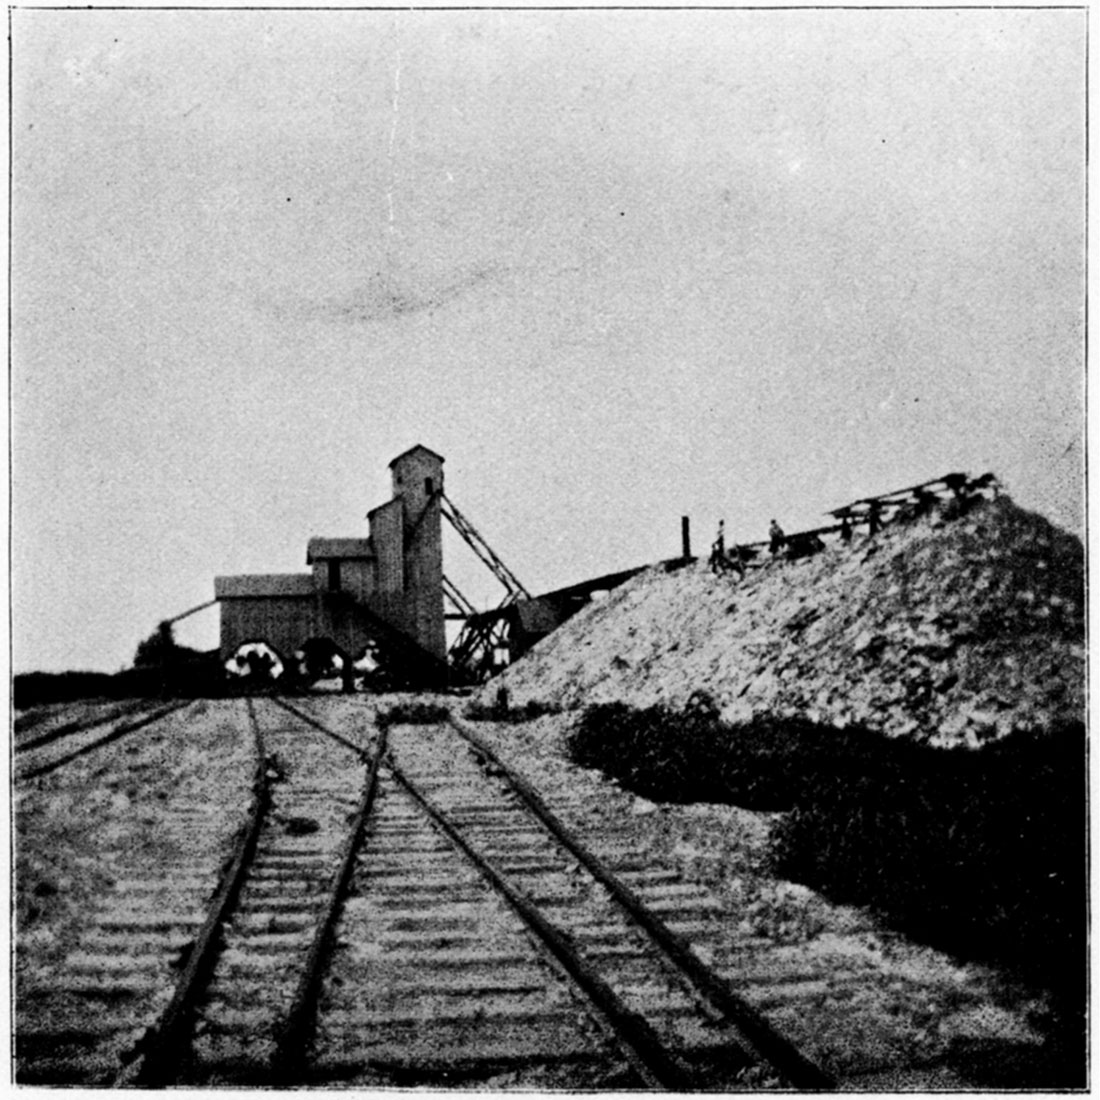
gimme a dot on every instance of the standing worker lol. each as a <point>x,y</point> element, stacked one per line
<point>924,502</point>
<point>718,550</point>
<point>874,518</point>
<point>778,539</point>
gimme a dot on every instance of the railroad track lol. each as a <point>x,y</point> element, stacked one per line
<point>46,750</point>
<point>239,1015</point>
<point>523,953</point>
<point>33,717</point>
<point>401,910</point>
<point>89,985</point>
<point>60,717</point>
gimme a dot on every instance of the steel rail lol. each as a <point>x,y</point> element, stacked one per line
<point>161,1054</point>
<point>643,1048</point>
<point>114,735</point>
<point>760,1035</point>
<point>310,721</point>
<point>78,725</point>
<point>292,1040</point>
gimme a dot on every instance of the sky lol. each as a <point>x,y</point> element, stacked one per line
<point>617,267</point>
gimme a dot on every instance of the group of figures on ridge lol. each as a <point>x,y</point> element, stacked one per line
<point>915,504</point>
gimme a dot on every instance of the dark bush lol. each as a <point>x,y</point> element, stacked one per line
<point>35,689</point>
<point>981,852</point>
<point>499,711</point>
<point>692,756</point>
<point>195,677</point>
<point>414,714</point>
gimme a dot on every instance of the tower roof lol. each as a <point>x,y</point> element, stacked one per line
<point>413,450</point>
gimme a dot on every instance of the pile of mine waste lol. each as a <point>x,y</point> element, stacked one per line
<point>950,630</point>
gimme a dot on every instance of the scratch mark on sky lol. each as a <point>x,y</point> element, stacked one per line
<point>393,137</point>
<point>383,297</point>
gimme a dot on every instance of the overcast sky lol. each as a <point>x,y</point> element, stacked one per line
<point>617,267</point>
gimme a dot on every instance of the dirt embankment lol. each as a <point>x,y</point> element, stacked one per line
<point>947,630</point>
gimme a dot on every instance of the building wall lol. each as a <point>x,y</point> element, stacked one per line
<point>356,577</point>
<point>284,622</point>
<point>341,621</point>
<point>424,567</point>
<point>411,473</point>
<point>387,532</point>
<point>417,478</point>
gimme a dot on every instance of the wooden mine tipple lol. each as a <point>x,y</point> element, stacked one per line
<point>383,592</point>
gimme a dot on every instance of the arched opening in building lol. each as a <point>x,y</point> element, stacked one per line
<point>319,661</point>
<point>256,662</point>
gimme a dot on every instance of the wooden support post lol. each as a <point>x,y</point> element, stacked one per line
<point>685,537</point>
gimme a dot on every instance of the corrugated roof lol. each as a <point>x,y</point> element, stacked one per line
<point>257,585</point>
<point>320,549</point>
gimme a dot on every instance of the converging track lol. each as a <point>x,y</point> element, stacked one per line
<point>398,909</point>
<point>241,1015</point>
<point>483,939</point>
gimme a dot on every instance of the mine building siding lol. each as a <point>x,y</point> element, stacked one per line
<point>418,485</point>
<point>343,565</point>
<point>288,613</point>
<point>281,610</point>
<point>388,537</point>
